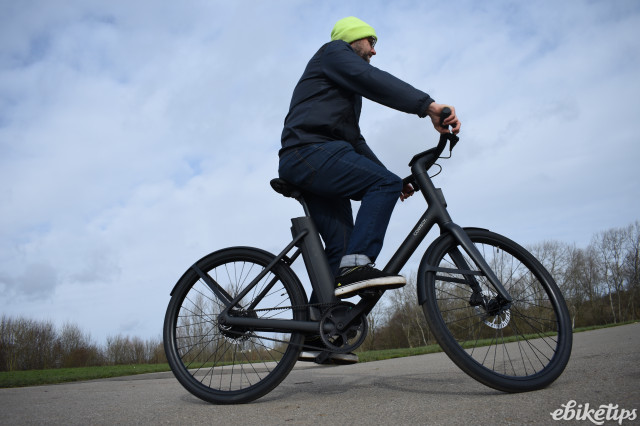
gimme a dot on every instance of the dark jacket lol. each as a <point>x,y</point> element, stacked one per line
<point>327,100</point>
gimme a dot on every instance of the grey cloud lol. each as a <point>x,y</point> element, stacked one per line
<point>38,280</point>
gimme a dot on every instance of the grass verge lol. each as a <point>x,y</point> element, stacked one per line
<point>12,379</point>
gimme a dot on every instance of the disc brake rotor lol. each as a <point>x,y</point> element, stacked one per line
<point>492,315</point>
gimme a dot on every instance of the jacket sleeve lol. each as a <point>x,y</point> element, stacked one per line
<point>348,70</point>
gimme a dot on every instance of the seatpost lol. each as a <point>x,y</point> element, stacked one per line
<point>300,199</point>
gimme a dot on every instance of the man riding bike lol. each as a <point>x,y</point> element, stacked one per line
<point>324,153</point>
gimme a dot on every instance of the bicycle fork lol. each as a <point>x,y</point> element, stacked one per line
<point>461,236</point>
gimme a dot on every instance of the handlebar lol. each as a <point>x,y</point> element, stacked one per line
<point>429,157</point>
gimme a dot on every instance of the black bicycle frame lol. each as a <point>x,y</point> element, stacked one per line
<point>307,241</point>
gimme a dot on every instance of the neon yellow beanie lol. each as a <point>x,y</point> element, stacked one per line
<point>351,29</point>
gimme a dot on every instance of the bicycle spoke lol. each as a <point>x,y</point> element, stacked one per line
<point>218,361</point>
<point>516,340</point>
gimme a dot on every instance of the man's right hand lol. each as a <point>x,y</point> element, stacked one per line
<point>434,112</point>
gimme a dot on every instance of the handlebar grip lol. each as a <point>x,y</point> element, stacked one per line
<point>446,112</point>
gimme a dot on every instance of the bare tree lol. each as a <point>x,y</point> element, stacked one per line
<point>375,321</point>
<point>582,279</point>
<point>27,344</point>
<point>7,345</point>
<point>408,314</point>
<point>75,349</point>
<point>556,258</point>
<point>610,245</point>
<point>632,268</point>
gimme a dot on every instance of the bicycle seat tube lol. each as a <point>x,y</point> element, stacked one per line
<point>315,259</point>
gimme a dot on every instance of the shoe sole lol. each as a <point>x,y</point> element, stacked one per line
<point>387,282</point>
<point>308,355</point>
<point>343,359</point>
<point>337,358</point>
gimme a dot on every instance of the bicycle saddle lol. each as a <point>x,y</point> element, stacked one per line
<point>283,187</point>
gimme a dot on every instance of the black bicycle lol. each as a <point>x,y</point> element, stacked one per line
<point>238,317</point>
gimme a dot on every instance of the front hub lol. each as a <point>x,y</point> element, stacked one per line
<point>495,312</point>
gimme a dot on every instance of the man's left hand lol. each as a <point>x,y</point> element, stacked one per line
<point>407,191</point>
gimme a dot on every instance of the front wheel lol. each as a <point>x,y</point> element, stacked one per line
<point>513,347</point>
<point>230,364</point>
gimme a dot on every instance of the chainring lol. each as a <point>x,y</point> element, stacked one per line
<point>336,335</point>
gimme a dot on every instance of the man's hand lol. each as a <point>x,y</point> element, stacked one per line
<point>407,191</point>
<point>434,112</point>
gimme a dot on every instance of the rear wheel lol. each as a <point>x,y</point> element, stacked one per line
<point>514,347</point>
<point>229,364</point>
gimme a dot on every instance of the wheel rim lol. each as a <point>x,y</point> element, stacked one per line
<point>519,340</point>
<point>229,360</point>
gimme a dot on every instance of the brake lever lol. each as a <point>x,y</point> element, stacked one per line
<point>453,139</point>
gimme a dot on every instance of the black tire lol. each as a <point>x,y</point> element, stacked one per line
<point>516,348</point>
<point>226,365</point>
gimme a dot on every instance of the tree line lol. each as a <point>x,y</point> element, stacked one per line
<point>27,344</point>
<point>600,283</point>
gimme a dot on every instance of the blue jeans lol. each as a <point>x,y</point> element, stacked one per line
<point>331,174</point>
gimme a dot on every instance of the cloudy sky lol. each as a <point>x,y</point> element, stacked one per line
<point>136,137</point>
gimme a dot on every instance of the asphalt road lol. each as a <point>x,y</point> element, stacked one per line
<point>604,369</point>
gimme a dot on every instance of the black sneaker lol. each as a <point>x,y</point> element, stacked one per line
<point>361,277</point>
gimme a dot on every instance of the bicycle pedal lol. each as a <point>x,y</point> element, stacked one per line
<point>369,292</point>
<point>323,358</point>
